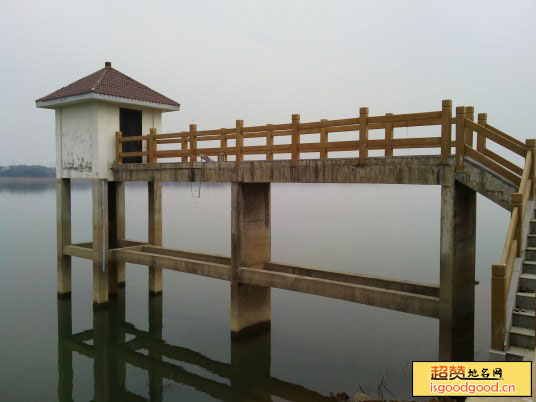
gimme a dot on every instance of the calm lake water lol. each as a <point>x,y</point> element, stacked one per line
<point>315,346</point>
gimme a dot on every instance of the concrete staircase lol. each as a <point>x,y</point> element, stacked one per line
<point>522,332</point>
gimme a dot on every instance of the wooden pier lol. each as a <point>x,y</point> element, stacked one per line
<point>309,156</point>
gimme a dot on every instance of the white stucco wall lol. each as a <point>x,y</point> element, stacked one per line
<point>85,137</point>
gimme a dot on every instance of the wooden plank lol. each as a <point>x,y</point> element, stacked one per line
<point>295,140</point>
<point>405,117</point>
<point>427,306</point>
<point>446,131</point>
<point>135,138</point>
<point>270,142</point>
<point>500,160</point>
<point>357,279</point>
<point>460,141</point>
<point>253,129</point>
<point>212,270</point>
<point>127,154</point>
<point>504,135</point>
<point>510,235</point>
<point>363,134</point>
<point>77,251</point>
<point>323,139</point>
<point>492,165</point>
<point>389,136</point>
<point>506,142</point>
<point>417,123</point>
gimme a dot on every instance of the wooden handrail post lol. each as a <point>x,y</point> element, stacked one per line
<point>470,114</point>
<point>270,142</point>
<point>531,146</point>
<point>517,202</point>
<point>480,139</point>
<point>118,148</point>
<point>446,130</point>
<point>239,141</point>
<point>223,145</point>
<point>363,134</point>
<point>460,116</point>
<point>324,139</point>
<point>152,141</point>
<point>295,132</point>
<point>389,136</point>
<point>193,144</point>
<point>498,306</point>
<point>184,146</point>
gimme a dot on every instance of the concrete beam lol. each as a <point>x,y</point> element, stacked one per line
<point>358,279</point>
<point>250,246</point>
<point>391,299</point>
<point>457,272</point>
<point>101,252</point>
<point>63,227</point>
<point>206,257</point>
<point>78,251</point>
<point>386,170</point>
<point>195,267</point>
<point>155,232</point>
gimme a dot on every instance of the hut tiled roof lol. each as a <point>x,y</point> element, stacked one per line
<point>109,81</point>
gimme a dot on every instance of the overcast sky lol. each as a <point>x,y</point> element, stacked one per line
<point>261,61</point>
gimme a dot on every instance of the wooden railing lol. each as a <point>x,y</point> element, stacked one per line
<point>521,177</point>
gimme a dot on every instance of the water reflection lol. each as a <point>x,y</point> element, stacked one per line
<point>113,343</point>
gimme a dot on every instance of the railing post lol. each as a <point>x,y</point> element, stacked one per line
<point>363,134</point>
<point>469,114</point>
<point>295,138</point>
<point>389,135</point>
<point>269,143</point>
<point>324,139</point>
<point>531,146</point>
<point>184,158</point>
<point>223,145</point>
<point>498,306</point>
<point>460,116</point>
<point>446,131</point>
<point>517,202</point>
<point>480,139</point>
<point>193,144</point>
<point>152,140</point>
<point>118,147</point>
<point>239,141</point>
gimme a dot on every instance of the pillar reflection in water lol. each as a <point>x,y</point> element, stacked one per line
<point>246,378</point>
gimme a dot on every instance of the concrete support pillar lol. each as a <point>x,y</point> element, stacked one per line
<point>155,233</point>
<point>250,246</point>
<point>116,231</point>
<point>100,243</point>
<point>156,388</point>
<point>457,272</point>
<point>63,226</point>
<point>65,354</point>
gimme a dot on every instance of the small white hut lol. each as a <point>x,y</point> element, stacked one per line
<point>89,112</point>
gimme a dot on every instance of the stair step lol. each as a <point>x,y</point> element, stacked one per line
<point>531,240</point>
<point>526,300</point>
<point>522,337</point>
<point>524,318</point>
<point>529,267</point>
<point>530,254</point>
<point>527,281</point>
<point>515,353</point>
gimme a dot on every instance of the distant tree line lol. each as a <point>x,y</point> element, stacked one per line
<point>27,171</point>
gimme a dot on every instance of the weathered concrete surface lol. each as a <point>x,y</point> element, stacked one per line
<point>63,227</point>
<point>457,272</point>
<point>250,246</point>
<point>487,183</point>
<point>390,170</point>
<point>101,252</point>
<point>155,233</point>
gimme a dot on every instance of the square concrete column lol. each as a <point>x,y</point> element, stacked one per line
<point>63,227</point>
<point>155,233</point>
<point>116,231</point>
<point>100,243</point>
<point>250,247</point>
<point>457,272</point>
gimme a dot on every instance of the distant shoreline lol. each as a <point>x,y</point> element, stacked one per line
<point>27,179</point>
